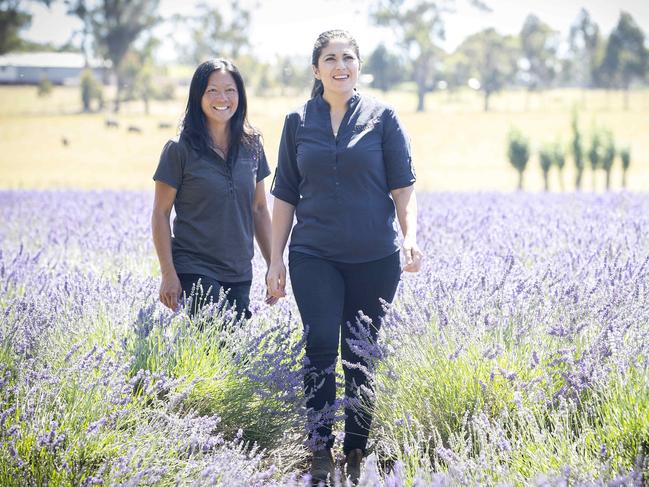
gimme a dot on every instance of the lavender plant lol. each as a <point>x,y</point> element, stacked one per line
<point>518,356</point>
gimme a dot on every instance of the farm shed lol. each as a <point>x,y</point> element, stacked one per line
<point>61,68</point>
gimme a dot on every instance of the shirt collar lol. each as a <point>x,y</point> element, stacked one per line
<point>322,103</point>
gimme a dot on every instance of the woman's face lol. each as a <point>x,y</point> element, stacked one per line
<point>221,98</point>
<point>338,67</point>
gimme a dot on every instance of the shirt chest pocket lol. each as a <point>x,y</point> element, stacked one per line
<point>366,136</point>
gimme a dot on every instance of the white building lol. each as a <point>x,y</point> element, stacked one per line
<point>61,68</point>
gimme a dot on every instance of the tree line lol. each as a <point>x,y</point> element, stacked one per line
<point>599,153</point>
<point>490,62</point>
<point>121,32</point>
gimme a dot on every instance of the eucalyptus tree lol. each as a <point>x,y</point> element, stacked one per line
<point>115,25</point>
<point>216,31</point>
<point>583,41</point>
<point>539,46</point>
<point>419,28</point>
<point>492,59</point>
<point>627,57</point>
<point>386,68</point>
<point>13,18</point>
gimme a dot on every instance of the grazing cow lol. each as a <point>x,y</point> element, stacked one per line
<point>111,123</point>
<point>134,129</point>
<point>164,125</point>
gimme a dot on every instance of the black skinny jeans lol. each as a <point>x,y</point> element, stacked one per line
<point>238,293</point>
<point>329,295</point>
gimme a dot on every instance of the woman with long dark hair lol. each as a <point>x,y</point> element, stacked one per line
<point>344,171</point>
<point>212,174</point>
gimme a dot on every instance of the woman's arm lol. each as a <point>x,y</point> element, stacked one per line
<point>261,219</point>
<point>283,213</point>
<point>263,229</point>
<point>406,204</point>
<point>170,289</point>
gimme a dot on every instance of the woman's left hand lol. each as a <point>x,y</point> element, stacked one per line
<point>270,299</point>
<point>412,255</point>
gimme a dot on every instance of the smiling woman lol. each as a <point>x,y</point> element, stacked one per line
<point>344,170</point>
<point>213,176</point>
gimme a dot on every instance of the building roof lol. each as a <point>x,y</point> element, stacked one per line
<point>49,60</point>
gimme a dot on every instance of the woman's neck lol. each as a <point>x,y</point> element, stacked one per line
<point>337,101</point>
<point>220,135</point>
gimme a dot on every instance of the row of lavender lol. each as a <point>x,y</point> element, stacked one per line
<point>518,355</point>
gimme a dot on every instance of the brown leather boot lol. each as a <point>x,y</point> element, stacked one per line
<point>353,465</point>
<point>322,467</point>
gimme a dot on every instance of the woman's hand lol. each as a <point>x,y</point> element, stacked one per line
<point>276,280</point>
<point>170,291</point>
<point>270,299</point>
<point>413,256</point>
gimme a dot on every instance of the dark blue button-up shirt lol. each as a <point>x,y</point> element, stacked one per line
<point>340,186</point>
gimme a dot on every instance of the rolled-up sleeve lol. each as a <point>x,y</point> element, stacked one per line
<point>286,182</point>
<point>263,170</point>
<point>171,164</point>
<point>396,152</point>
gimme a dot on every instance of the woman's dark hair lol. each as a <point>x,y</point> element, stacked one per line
<point>194,124</point>
<point>323,41</point>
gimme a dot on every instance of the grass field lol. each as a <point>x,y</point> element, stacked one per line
<point>456,146</point>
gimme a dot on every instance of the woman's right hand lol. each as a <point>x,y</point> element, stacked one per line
<point>170,291</point>
<point>276,279</point>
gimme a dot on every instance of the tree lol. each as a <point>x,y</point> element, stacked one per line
<point>607,155</point>
<point>577,151</point>
<point>213,36</point>
<point>137,71</point>
<point>419,27</point>
<point>91,90</point>
<point>539,44</point>
<point>79,9</point>
<point>625,155</point>
<point>584,40</point>
<point>492,58</point>
<point>44,88</point>
<point>457,70</point>
<point>626,58</point>
<point>546,157</point>
<point>386,68</point>
<point>595,154</point>
<point>518,153</point>
<point>559,160</point>
<point>12,21</point>
<point>115,25</point>
<point>292,75</point>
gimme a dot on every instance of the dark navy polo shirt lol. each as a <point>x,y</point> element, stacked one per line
<point>213,229</point>
<point>340,186</point>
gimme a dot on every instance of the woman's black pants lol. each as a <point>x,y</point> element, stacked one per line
<point>237,293</point>
<point>329,296</point>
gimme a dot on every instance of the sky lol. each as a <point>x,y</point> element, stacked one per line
<point>289,27</point>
